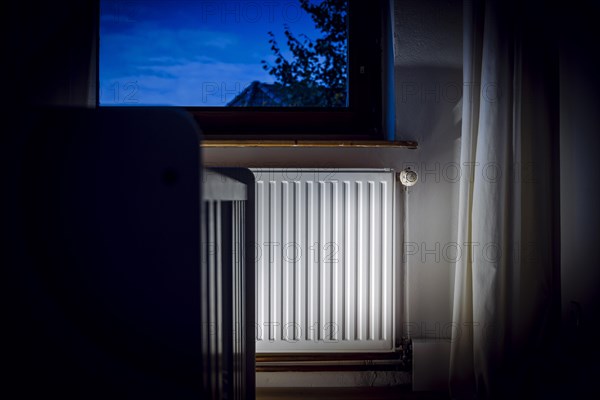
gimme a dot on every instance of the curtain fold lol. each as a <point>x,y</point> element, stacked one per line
<point>504,291</point>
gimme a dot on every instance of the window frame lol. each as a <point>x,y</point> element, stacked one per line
<point>361,120</point>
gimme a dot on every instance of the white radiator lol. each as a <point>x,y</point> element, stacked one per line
<point>324,271</point>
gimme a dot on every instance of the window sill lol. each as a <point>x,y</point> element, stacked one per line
<point>403,144</point>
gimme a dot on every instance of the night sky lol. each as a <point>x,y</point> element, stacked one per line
<point>190,53</point>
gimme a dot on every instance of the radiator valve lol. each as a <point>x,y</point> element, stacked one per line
<point>408,177</point>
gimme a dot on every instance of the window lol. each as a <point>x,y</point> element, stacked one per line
<point>253,69</point>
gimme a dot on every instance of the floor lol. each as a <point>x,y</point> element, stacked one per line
<point>375,393</point>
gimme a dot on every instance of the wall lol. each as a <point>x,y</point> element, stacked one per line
<point>428,75</point>
<point>579,193</point>
<point>579,143</point>
<point>51,66</point>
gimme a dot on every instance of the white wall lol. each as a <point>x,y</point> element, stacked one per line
<point>332,379</point>
<point>428,62</point>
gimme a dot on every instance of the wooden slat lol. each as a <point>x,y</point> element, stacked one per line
<point>299,357</point>
<point>407,144</point>
<point>327,367</point>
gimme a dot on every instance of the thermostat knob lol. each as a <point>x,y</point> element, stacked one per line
<point>408,177</point>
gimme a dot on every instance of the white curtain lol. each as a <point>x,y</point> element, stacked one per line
<point>505,291</point>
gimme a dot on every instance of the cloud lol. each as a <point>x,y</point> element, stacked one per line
<point>144,42</point>
<point>147,65</point>
<point>192,83</point>
<point>220,42</point>
<point>115,18</point>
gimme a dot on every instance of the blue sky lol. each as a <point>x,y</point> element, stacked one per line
<point>189,53</point>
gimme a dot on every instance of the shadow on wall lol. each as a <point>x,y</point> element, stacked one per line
<point>426,103</point>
